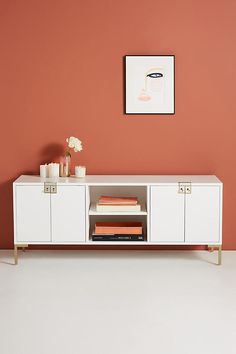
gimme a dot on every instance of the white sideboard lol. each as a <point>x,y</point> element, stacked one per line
<point>176,210</point>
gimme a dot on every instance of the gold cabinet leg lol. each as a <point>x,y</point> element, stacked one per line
<point>219,255</point>
<point>16,246</point>
<point>212,248</point>
<point>15,255</point>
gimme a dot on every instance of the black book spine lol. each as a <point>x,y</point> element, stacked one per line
<point>118,237</point>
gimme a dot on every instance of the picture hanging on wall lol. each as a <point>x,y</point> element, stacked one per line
<point>150,84</point>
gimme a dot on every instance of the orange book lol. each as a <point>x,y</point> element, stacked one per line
<point>105,200</point>
<point>134,228</point>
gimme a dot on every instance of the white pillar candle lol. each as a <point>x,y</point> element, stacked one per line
<point>56,168</point>
<point>50,170</point>
<point>80,171</point>
<point>43,171</point>
<point>53,170</point>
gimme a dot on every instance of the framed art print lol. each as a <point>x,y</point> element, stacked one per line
<point>149,84</point>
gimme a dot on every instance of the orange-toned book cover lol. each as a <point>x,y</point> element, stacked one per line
<point>134,228</point>
<point>106,200</point>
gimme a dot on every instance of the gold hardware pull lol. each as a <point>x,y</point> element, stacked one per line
<point>188,190</point>
<point>53,188</point>
<point>181,188</point>
<point>50,188</point>
<point>47,187</point>
<point>185,188</point>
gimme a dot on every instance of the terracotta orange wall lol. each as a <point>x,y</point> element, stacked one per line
<point>61,73</point>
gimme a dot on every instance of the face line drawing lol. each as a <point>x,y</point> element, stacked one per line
<point>153,74</point>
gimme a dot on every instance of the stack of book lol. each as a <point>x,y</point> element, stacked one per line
<point>109,204</point>
<point>118,231</point>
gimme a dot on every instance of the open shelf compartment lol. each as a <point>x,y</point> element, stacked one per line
<point>117,218</point>
<point>118,191</point>
<point>94,216</point>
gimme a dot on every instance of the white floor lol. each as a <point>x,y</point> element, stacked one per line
<point>117,302</point>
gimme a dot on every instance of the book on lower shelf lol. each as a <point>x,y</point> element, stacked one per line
<point>134,228</point>
<point>117,237</point>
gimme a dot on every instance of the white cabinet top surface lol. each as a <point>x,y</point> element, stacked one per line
<point>121,179</point>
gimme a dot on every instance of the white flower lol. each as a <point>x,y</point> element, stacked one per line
<point>74,143</point>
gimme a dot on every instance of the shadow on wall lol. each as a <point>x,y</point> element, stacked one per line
<point>51,153</point>
<point>6,214</point>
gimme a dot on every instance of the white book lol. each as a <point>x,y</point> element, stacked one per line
<point>136,207</point>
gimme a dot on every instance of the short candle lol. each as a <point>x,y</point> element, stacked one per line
<point>80,171</point>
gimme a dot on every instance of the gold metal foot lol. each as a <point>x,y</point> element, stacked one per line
<point>219,255</point>
<point>15,255</point>
<point>212,248</point>
<point>16,246</point>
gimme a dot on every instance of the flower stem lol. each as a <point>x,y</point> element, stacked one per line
<point>67,153</point>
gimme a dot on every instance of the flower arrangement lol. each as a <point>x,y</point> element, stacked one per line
<point>73,143</point>
<point>65,163</point>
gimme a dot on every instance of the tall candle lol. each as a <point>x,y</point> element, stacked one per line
<point>56,169</point>
<point>53,170</point>
<point>43,170</point>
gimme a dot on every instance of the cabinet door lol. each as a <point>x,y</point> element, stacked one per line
<point>32,214</point>
<point>68,214</point>
<point>202,220</point>
<point>167,215</point>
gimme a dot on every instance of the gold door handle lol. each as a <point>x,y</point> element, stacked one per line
<point>185,188</point>
<point>50,188</point>
<point>181,189</point>
<point>47,187</point>
<point>188,190</point>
